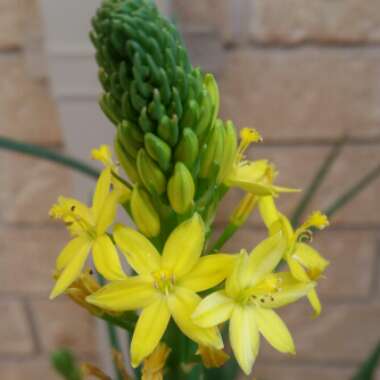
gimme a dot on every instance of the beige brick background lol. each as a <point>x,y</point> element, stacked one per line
<point>303,73</point>
<point>31,326</point>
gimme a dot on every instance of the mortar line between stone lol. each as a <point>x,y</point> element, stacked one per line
<point>310,44</point>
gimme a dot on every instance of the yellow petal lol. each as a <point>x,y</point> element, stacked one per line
<point>252,171</point>
<point>72,270</point>
<point>244,337</point>
<point>208,272</point>
<point>282,290</point>
<point>315,302</point>
<point>265,257</point>
<point>101,191</point>
<point>184,246</point>
<point>149,330</point>
<point>70,250</point>
<point>255,188</point>
<point>106,259</point>
<point>129,294</point>
<point>182,303</point>
<point>213,310</point>
<point>107,214</point>
<point>142,256</point>
<point>297,269</point>
<point>310,259</point>
<point>274,330</point>
<point>239,277</point>
<point>268,211</point>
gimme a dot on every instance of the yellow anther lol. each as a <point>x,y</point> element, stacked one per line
<point>250,135</point>
<point>164,281</point>
<point>247,137</point>
<point>103,154</point>
<point>317,220</point>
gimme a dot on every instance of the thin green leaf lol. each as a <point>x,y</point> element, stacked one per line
<point>368,368</point>
<point>48,155</point>
<point>318,179</point>
<point>348,195</point>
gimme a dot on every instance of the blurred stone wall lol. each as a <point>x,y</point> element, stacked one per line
<point>301,72</point>
<point>31,326</point>
<point>304,73</point>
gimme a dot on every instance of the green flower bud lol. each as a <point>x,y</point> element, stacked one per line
<point>144,214</point>
<point>127,162</point>
<point>212,155</point>
<point>213,90</point>
<point>229,152</point>
<point>181,189</point>
<point>168,130</point>
<point>158,150</point>
<point>149,172</point>
<point>127,141</point>
<point>188,148</point>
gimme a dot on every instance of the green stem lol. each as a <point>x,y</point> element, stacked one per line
<point>353,191</point>
<point>112,336</point>
<point>318,180</point>
<point>227,233</point>
<point>48,155</point>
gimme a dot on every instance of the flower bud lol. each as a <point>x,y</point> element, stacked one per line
<point>212,156</point>
<point>181,189</point>
<point>229,153</point>
<point>168,130</point>
<point>158,150</point>
<point>129,144</point>
<point>127,163</point>
<point>213,90</point>
<point>188,148</point>
<point>150,174</point>
<point>144,213</point>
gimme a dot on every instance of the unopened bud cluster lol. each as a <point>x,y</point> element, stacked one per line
<point>168,140</point>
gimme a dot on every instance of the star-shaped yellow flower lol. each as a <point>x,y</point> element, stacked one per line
<point>250,294</point>
<point>305,263</point>
<point>89,227</point>
<point>165,285</point>
<point>255,177</point>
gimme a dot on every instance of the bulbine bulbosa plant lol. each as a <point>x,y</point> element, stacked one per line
<point>187,305</point>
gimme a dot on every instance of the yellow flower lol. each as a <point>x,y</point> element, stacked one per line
<point>255,177</point>
<point>165,285</point>
<point>305,263</point>
<point>89,227</point>
<point>104,155</point>
<point>250,294</point>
